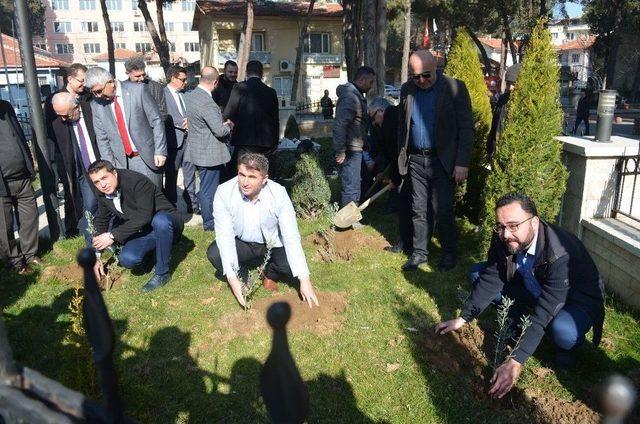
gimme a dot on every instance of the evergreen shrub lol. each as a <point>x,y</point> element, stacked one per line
<point>310,193</point>
<point>463,64</point>
<point>528,158</point>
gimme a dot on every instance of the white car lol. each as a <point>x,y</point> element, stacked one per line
<point>391,91</point>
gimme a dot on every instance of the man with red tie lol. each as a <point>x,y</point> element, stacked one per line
<point>129,130</point>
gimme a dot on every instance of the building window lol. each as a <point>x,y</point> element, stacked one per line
<point>257,44</point>
<point>61,27</point>
<point>169,26</point>
<point>282,85</point>
<point>563,58</point>
<point>89,27</point>
<point>92,47</point>
<point>87,4</point>
<point>117,26</point>
<point>167,6</point>
<point>143,47</point>
<point>114,4</point>
<point>139,26</point>
<point>191,47</point>
<point>188,5</point>
<point>42,46</point>
<point>134,5</point>
<point>64,48</point>
<point>119,45</point>
<point>318,42</point>
<point>571,36</point>
<point>554,35</point>
<point>172,46</point>
<point>186,26</point>
<point>575,58</point>
<point>60,4</point>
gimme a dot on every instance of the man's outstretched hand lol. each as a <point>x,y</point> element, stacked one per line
<point>236,289</point>
<point>505,378</point>
<point>307,293</point>
<point>451,325</point>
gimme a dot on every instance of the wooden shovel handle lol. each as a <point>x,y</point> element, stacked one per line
<point>374,197</point>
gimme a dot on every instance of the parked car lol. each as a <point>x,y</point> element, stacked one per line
<point>391,91</point>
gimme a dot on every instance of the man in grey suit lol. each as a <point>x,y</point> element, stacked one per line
<point>176,129</point>
<point>136,71</point>
<point>204,149</point>
<point>129,131</point>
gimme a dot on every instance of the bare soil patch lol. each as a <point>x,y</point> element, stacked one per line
<point>321,320</point>
<point>462,356</point>
<point>74,274</point>
<point>341,246</point>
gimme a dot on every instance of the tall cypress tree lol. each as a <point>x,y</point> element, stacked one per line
<point>528,157</point>
<point>463,63</point>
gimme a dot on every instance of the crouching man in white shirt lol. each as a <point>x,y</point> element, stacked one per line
<point>250,213</point>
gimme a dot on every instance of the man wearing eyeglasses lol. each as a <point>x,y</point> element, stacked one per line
<point>76,149</point>
<point>551,277</point>
<point>129,131</point>
<point>435,142</point>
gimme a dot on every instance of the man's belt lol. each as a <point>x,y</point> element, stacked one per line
<point>133,155</point>
<point>423,152</point>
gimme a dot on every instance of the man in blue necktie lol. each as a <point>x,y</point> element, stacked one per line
<point>551,277</point>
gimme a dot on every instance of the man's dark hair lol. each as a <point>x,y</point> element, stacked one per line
<point>230,63</point>
<point>364,71</point>
<point>135,63</point>
<point>255,162</point>
<point>254,67</point>
<point>174,70</point>
<point>99,165</point>
<point>72,70</point>
<point>517,196</point>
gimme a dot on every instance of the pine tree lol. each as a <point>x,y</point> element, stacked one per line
<point>528,158</point>
<point>310,192</point>
<point>463,63</point>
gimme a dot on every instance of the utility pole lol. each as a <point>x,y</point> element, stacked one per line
<point>48,182</point>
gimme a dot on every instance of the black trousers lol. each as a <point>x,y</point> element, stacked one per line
<point>252,254</point>
<point>432,193</point>
<point>577,124</point>
<point>172,165</point>
<point>20,199</point>
<point>405,224</point>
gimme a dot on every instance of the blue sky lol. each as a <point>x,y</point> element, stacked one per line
<point>574,10</point>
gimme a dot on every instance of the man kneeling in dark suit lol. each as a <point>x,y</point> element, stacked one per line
<point>143,220</point>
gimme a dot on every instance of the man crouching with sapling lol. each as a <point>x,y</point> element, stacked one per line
<point>551,277</point>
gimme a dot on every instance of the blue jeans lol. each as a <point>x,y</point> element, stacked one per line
<point>567,329</point>
<point>89,203</point>
<point>209,181</point>
<point>165,229</point>
<point>350,178</point>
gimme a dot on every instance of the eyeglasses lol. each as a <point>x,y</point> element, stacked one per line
<point>425,75</point>
<point>181,79</point>
<point>81,81</point>
<point>499,228</point>
<point>100,90</point>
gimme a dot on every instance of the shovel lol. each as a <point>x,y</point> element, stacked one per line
<point>351,213</point>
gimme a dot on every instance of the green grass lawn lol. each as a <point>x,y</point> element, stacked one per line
<point>174,366</point>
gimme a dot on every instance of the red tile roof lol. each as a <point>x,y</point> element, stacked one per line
<point>43,58</point>
<point>120,54</point>
<point>220,8</point>
<point>582,43</point>
<point>494,43</point>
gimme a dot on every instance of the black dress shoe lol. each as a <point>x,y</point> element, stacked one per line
<point>156,282</point>
<point>197,211</point>
<point>447,263</point>
<point>415,261</point>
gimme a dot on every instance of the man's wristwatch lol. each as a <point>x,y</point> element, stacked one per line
<point>111,236</point>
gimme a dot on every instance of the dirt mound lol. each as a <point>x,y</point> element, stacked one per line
<point>74,274</point>
<point>341,246</point>
<point>324,319</point>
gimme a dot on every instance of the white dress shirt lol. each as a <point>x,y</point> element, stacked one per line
<point>271,220</point>
<point>112,106</point>
<point>117,201</point>
<point>83,125</point>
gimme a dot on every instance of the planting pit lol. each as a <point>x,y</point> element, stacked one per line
<point>341,246</point>
<point>322,320</point>
<point>74,274</point>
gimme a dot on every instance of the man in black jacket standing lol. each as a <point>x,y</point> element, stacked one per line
<point>435,142</point>
<point>143,220</point>
<point>16,172</point>
<point>551,277</point>
<point>253,108</point>
<point>226,82</point>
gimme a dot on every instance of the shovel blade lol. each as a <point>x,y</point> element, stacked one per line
<point>347,216</point>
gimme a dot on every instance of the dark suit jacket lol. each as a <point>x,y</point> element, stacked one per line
<point>453,129</point>
<point>157,92</point>
<point>10,131</point>
<point>140,201</point>
<point>566,274</point>
<point>62,143</point>
<point>222,92</point>
<point>174,132</point>
<point>253,108</point>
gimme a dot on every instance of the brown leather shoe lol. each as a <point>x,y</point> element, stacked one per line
<point>24,270</point>
<point>270,285</point>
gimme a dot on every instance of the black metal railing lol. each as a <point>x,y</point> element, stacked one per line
<point>627,191</point>
<point>311,107</point>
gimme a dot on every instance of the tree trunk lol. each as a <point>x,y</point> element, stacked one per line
<point>483,52</point>
<point>299,51</point>
<point>351,33</point>
<point>503,62</point>
<point>245,42</point>
<point>163,36</point>
<point>543,8</point>
<point>507,34</point>
<point>613,42</point>
<point>110,46</point>
<point>406,46</point>
<point>381,45</point>
<point>370,33</point>
<point>161,48</point>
